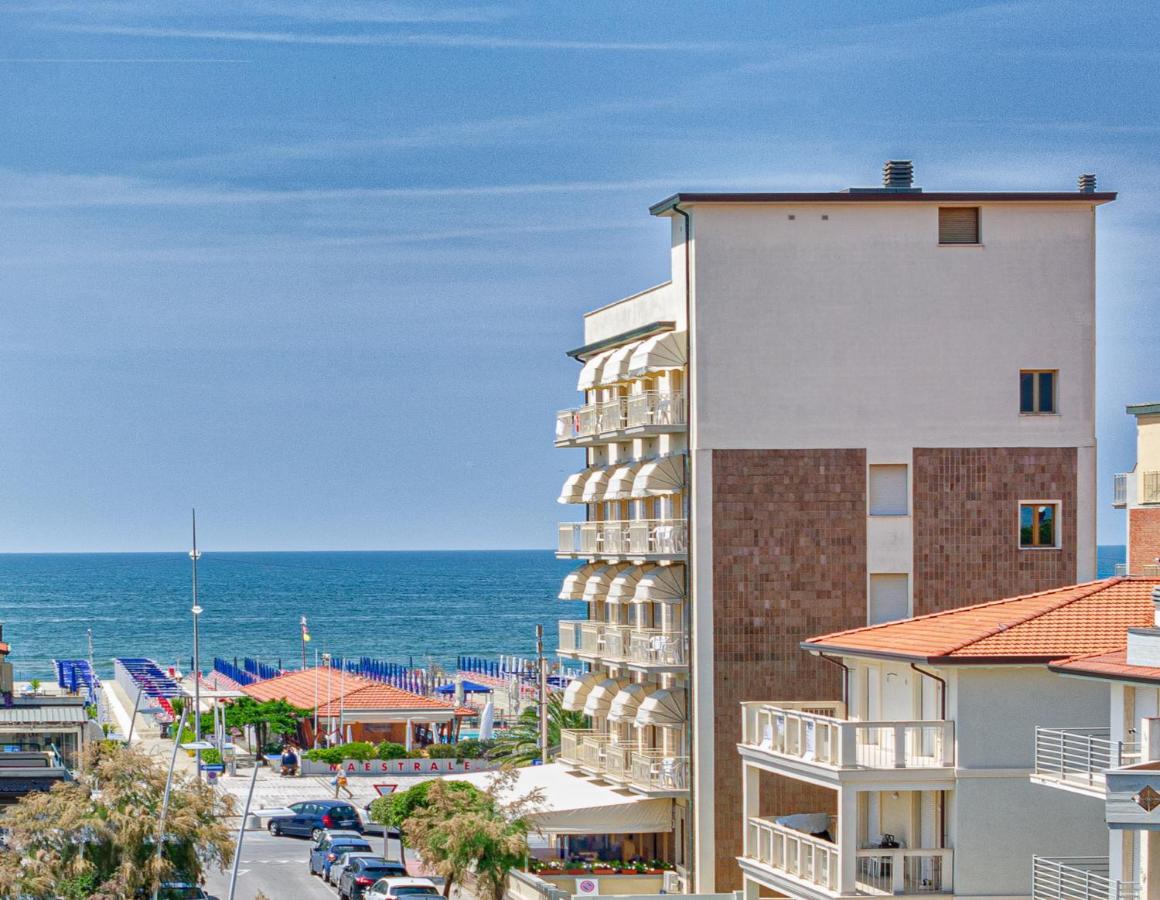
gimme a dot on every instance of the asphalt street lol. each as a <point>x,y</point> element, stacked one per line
<point>276,866</point>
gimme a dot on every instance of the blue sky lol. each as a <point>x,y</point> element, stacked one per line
<point>312,266</point>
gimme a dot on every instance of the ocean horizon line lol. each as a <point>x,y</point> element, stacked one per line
<point>205,552</point>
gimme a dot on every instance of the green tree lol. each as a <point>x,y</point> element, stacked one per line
<point>520,744</point>
<point>95,837</point>
<point>269,718</point>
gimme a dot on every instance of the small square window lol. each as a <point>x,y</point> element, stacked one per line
<point>889,494</point>
<point>958,225</point>
<point>1039,524</point>
<point>889,598</point>
<point>1037,389</point>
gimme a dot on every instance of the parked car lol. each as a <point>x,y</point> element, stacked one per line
<point>345,856</point>
<point>312,817</point>
<point>395,888</point>
<point>326,851</point>
<point>181,890</point>
<point>364,872</point>
<point>369,826</point>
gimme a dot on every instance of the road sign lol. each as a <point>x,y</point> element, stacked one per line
<point>385,789</point>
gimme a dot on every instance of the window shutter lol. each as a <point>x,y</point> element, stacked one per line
<point>958,225</point>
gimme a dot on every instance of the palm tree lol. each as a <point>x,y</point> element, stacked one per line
<point>520,744</point>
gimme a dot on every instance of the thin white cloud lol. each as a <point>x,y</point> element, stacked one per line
<point>351,11</point>
<point>377,39</point>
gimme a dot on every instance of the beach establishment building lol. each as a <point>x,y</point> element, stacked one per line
<point>926,768</point>
<point>842,408</point>
<point>1138,492</point>
<point>353,708</point>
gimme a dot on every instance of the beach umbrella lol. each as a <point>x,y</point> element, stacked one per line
<point>487,722</point>
<point>410,735</point>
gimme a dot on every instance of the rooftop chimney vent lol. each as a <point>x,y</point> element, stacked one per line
<point>1087,184</point>
<point>898,175</point>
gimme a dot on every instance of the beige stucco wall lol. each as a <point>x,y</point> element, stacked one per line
<point>1147,444</point>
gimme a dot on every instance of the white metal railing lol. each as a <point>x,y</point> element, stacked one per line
<point>570,739</point>
<point>1120,489</point>
<point>1078,878</point>
<point>659,771</point>
<point>807,858</point>
<point>651,408</point>
<point>655,408</point>
<point>624,537</point>
<point>1150,487</point>
<point>1121,568</point>
<point>813,733</point>
<point>1080,756</point>
<point>656,647</point>
<point>570,635</point>
<point>905,871</point>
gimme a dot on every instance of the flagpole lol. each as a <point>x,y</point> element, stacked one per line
<point>303,637</point>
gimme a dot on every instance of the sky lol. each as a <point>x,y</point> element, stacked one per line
<point>312,267</point>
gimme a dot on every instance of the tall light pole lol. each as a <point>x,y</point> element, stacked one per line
<point>542,679</point>
<point>329,694</point>
<point>196,610</point>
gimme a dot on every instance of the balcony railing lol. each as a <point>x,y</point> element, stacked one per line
<point>816,862</point>
<point>1079,757</point>
<point>818,733</point>
<point>1120,489</point>
<point>1150,487</point>
<point>624,537</point>
<point>649,409</point>
<point>570,740</point>
<point>654,647</point>
<point>656,770</point>
<point>1078,878</point>
<point>600,640</point>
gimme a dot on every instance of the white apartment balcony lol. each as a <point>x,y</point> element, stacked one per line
<point>801,865</point>
<point>1150,487</point>
<point>583,639</point>
<point>650,412</point>
<point>815,741</point>
<point>657,650</point>
<point>659,773</point>
<point>652,772</point>
<point>624,539</point>
<point>1077,759</point>
<point>1120,490</point>
<point>1078,878</point>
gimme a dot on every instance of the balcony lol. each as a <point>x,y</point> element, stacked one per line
<point>658,772</point>
<point>656,649</point>
<point>594,640</point>
<point>659,539</point>
<point>815,740</point>
<point>646,771</point>
<point>1077,759</point>
<point>803,865</point>
<point>1150,487</point>
<point>1120,490</point>
<point>1078,878</point>
<point>651,412</point>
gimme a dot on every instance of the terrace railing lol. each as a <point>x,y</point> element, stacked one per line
<point>1078,878</point>
<point>655,647</point>
<point>655,408</point>
<point>1150,487</point>
<point>805,857</point>
<point>624,537</point>
<point>1120,489</point>
<point>657,770</point>
<point>651,408</point>
<point>1079,757</point>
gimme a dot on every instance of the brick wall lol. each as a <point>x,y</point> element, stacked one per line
<point>789,562</point>
<point>966,539</point>
<point>1143,536</point>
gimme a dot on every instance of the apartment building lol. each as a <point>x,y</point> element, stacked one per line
<point>842,409</point>
<point>1138,492</point>
<point>929,762</point>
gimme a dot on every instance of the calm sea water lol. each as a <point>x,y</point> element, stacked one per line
<point>396,606</point>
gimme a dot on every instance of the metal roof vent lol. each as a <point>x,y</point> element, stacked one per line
<point>1087,184</point>
<point>898,175</point>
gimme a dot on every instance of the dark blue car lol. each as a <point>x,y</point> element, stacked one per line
<point>326,851</point>
<point>312,817</point>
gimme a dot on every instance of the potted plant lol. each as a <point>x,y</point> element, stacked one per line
<point>657,867</point>
<point>602,867</point>
<point>577,867</point>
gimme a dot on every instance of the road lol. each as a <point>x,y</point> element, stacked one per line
<point>276,866</point>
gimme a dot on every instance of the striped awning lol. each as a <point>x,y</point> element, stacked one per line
<point>590,374</point>
<point>576,693</point>
<point>573,489</point>
<point>661,584</point>
<point>600,580</point>
<point>620,483</point>
<point>594,486</point>
<point>573,586</point>
<point>623,587</point>
<point>615,367</point>
<point>659,353</point>
<point>660,476</point>
<point>599,699</point>
<point>626,703</point>
<point>665,708</point>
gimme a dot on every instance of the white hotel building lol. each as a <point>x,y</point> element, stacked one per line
<point>843,408</point>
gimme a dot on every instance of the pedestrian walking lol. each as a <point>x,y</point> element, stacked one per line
<point>340,784</point>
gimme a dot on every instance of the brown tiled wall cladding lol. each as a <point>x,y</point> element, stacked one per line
<point>966,540</point>
<point>789,562</point>
<point>1144,536</point>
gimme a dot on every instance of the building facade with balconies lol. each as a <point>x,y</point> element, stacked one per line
<point>1138,492</point>
<point>842,408</point>
<point>927,767</point>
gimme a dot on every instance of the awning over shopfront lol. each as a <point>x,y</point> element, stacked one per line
<point>574,805</point>
<point>590,374</point>
<point>625,704</point>
<point>665,707</point>
<point>576,693</point>
<point>623,587</point>
<point>615,368</point>
<point>600,697</point>
<point>660,476</point>
<point>661,584</point>
<point>573,586</point>
<point>620,483</point>
<point>658,353</point>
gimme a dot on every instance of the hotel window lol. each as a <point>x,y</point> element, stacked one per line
<point>889,598</point>
<point>1037,390</point>
<point>889,495</point>
<point>1038,524</point>
<point>958,225</point>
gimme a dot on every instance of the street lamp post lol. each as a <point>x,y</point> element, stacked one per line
<point>194,555</point>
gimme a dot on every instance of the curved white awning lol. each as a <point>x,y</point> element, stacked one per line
<point>573,489</point>
<point>596,587</point>
<point>625,704</point>
<point>660,352</point>
<point>590,374</point>
<point>615,367</point>
<point>664,707</point>
<point>620,483</point>
<point>661,584</point>
<point>594,486</point>
<point>660,476</point>
<point>576,693</point>
<point>600,697</point>
<point>623,587</point>
<point>573,586</point>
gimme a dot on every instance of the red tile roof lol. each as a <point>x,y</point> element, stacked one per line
<point>325,687</point>
<point>1112,665</point>
<point>1047,626</point>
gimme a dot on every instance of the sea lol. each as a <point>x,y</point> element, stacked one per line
<point>407,607</point>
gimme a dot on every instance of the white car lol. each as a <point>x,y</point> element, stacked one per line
<point>396,888</point>
<point>344,858</point>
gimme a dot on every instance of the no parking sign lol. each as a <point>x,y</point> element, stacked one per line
<point>588,886</point>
